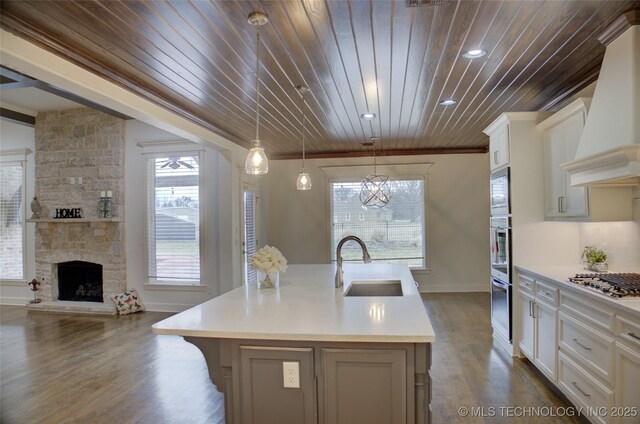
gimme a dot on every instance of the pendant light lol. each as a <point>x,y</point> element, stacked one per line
<point>304,181</point>
<point>257,162</point>
<point>375,190</point>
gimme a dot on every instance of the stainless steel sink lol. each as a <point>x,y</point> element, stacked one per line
<point>374,288</point>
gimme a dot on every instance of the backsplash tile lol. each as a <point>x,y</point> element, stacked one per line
<point>621,240</point>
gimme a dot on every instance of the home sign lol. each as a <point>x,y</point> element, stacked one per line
<point>62,213</point>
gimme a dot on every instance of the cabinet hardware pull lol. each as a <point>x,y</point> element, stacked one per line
<point>574,384</point>
<point>559,206</point>
<point>546,293</point>
<point>495,157</point>
<point>634,335</point>
<point>533,309</point>
<point>562,204</point>
<point>576,341</point>
<point>530,314</point>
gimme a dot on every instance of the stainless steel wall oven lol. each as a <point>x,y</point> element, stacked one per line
<point>500,253</point>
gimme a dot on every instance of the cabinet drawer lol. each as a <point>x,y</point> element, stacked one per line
<point>584,390</point>
<point>596,314</point>
<point>628,330</point>
<point>547,292</point>
<point>526,283</point>
<point>589,347</point>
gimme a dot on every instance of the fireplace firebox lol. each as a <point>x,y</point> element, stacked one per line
<point>80,281</point>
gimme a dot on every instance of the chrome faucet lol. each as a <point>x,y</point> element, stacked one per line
<point>365,258</point>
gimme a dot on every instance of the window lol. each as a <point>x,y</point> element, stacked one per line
<point>393,234</point>
<point>12,240</point>
<point>173,218</point>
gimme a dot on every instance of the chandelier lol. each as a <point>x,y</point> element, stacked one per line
<point>375,190</point>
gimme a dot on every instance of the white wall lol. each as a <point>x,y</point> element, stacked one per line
<point>16,136</point>
<point>458,217</point>
<point>221,202</point>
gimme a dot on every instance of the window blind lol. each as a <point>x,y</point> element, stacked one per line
<point>173,218</point>
<point>11,221</point>
<point>250,242</point>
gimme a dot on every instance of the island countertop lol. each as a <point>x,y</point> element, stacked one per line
<point>307,306</point>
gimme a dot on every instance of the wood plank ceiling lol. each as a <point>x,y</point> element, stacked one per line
<point>197,58</point>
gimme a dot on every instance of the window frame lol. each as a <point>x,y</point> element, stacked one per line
<point>173,149</point>
<point>18,157</point>
<point>355,173</point>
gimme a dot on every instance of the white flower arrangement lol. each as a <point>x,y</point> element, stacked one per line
<point>269,260</point>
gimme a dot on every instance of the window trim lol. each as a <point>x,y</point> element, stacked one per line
<point>152,150</point>
<point>400,171</point>
<point>19,157</point>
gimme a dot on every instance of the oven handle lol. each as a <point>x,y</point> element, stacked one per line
<point>499,283</point>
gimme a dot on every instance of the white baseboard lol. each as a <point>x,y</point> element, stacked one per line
<point>167,307</point>
<point>452,287</point>
<point>14,301</point>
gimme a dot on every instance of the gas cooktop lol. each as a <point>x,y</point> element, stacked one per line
<point>612,284</point>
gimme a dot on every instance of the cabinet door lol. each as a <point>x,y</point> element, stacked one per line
<point>526,324</point>
<point>560,145</point>
<point>554,141</point>
<point>262,395</point>
<point>627,386</point>
<point>499,147</point>
<point>575,202</point>
<point>364,386</point>
<point>545,343</point>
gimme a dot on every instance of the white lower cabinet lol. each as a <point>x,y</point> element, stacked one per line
<point>526,325</point>
<point>584,390</point>
<point>538,326</point>
<point>588,346</point>
<point>545,346</point>
<point>627,375</point>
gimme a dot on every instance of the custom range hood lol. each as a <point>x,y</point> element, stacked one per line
<point>609,148</point>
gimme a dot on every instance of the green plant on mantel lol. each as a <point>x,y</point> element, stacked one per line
<point>594,255</point>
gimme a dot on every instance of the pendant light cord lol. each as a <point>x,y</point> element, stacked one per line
<point>258,86</point>
<point>303,123</point>
<point>374,159</point>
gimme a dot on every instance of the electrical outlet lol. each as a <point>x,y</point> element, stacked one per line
<point>291,374</point>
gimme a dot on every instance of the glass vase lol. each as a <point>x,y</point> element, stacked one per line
<point>267,281</point>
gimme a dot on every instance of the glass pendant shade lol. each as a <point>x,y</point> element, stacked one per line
<point>256,162</point>
<point>304,182</point>
<point>375,191</point>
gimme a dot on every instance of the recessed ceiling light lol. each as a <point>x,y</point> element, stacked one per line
<point>448,102</point>
<point>368,116</point>
<point>473,54</point>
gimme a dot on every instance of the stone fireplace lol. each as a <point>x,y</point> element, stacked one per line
<point>79,154</point>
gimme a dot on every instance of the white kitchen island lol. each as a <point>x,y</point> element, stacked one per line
<point>359,359</point>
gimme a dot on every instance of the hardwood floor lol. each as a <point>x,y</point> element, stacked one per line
<point>469,371</point>
<point>80,369</point>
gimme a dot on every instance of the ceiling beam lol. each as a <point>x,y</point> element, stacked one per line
<point>24,81</point>
<point>17,117</point>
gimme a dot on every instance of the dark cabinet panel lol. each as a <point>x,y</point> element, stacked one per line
<point>263,397</point>
<point>364,386</point>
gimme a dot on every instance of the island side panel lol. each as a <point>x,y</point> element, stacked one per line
<point>218,356</point>
<point>423,383</point>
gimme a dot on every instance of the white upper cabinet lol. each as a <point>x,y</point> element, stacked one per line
<point>499,146</point>
<point>561,136</point>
